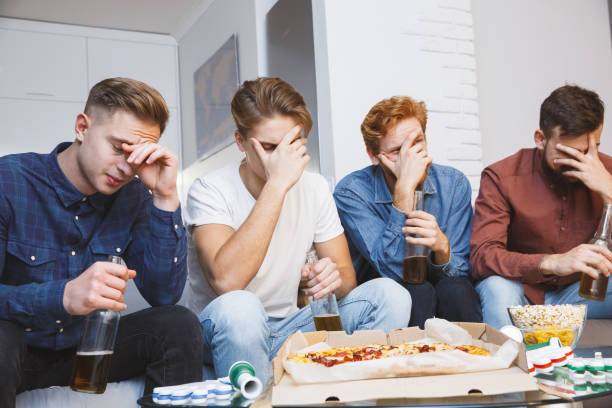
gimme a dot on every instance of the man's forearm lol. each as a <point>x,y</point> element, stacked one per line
<point>403,195</point>
<point>348,282</point>
<point>238,260</point>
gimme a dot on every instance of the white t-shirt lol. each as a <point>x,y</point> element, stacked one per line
<point>308,215</point>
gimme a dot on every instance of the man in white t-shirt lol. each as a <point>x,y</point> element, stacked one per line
<point>251,225</point>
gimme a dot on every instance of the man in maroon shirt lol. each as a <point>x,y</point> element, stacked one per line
<point>537,209</point>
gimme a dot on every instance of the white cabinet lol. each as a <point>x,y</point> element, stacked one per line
<point>36,126</point>
<point>154,64</point>
<point>42,66</point>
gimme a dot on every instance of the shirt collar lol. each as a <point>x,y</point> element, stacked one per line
<point>381,190</point>
<point>66,191</point>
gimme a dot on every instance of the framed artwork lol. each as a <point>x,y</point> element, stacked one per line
<point>215,83</point>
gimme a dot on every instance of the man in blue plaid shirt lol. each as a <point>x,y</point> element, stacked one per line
<point>62,214</point>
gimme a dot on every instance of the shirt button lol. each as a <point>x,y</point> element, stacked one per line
<point>118,249</point>
<point>58,321</point>
<point>175,259</point>
<point>33,258</point>
<point>28,329</point>
<point>73,253</point>
<point>175,226</point>
<point>562,228</point>
<point>564,198</point>
<point>76,217</point>
<point>84,199</point>
<point>61,330</point>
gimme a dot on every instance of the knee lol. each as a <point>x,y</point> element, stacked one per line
<point>179,322</point>
<point>392,297</point>
<point>238,311</point>
<point>496,291</point>
<point>421,294</point>
<point>456,287</point>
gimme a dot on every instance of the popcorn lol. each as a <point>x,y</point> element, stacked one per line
<point>548,315</point>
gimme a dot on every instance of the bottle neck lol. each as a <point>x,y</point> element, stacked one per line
<point>605,229</point>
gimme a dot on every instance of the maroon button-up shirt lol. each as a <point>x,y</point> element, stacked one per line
<point>522,213</point>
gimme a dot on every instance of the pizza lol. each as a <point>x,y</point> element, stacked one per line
<point>348,354</point>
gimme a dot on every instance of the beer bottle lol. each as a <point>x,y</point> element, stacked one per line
<point>595,289</point>
<point>415,256</point>
<point>95,351</point>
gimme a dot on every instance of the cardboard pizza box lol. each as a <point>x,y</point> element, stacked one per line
<point>512,379</point>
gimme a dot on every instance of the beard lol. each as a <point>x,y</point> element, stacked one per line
<point>557,174</point>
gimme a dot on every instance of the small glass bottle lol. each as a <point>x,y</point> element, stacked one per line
<point>95,351</point>
<point>595,289</point>
<point>324,310</point>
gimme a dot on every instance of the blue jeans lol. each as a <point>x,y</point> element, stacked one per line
<point>497,294</point>
<point>236,326</point>
<point>449,297</point>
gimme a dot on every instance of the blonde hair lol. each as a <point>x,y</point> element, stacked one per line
<point>265,97</point>
<point>131,96</point>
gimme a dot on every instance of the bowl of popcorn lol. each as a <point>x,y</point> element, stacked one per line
<point>538,323</point>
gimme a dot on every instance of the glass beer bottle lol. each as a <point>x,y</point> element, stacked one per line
<point>595,289</point>
<point>324,310</point>
<point>95,351</point>
<point>415,258</point>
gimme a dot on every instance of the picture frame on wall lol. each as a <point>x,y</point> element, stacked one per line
<point>215,83</point>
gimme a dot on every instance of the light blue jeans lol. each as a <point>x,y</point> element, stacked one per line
<point>497,294</point>
<point>236,327</point>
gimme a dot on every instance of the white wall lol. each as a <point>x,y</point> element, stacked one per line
<point>524,50</point>
<point>220,20</point>
<point>369,50</point>
<point>290,55</point>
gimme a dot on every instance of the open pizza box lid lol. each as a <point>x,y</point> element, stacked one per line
<point>286,392</point>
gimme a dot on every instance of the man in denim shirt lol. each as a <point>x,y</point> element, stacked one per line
<point>62,214</point>
<point>375,209</point>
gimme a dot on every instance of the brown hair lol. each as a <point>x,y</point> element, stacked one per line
<point>573,109</point>
<point>386,114</point>
<point>263,98</point>
<point>131,96</point>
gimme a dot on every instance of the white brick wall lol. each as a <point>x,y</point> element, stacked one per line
<point>420,48</point>
<point>446,30</point>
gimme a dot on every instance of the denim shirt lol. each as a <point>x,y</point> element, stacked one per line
<point>373,226</point>
<point>50,233</point>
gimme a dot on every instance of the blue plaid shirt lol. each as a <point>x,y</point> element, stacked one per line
<point>50,233</point>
